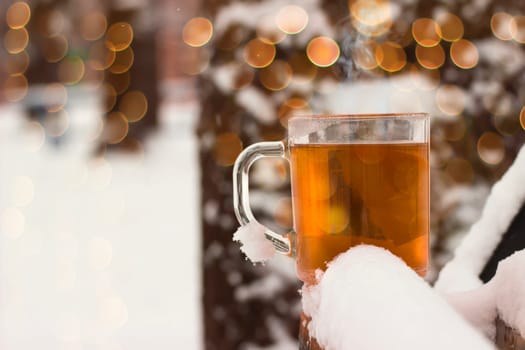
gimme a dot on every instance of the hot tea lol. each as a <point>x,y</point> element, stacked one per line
<point>361,193</point>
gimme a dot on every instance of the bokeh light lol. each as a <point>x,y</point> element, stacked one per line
<point>371,18</point>
<point>110,97</point>
<point>15,40</point>
<point>291,19</point>
<point>16,64</point>
<point>291,107</point>
<point>71,70</point>
<point>197,32</point>
<point>503,25</point>
<point>123,61</point>
<point>22,191</point>
<point>15,88</point>
<point>323,51</point>
<point>93,25</point>
<point>390,56</point>
<point>133,106</point>
<point>519,33</point>
<point>12,222</point>
<point>451,26</point>
<point>199,63</point>
<point>18,15</point>
<point>426,32</point>
<point>259,54</point>
<point>276,76</point>
<point>455,129</point>
<point>464,54</point>
<point>522,118</point>
<point>100,57</point>
<point>242,77</point>
<point>491,149</point>
<point>52,23</point>
<point>226,148</point>
<point>115,128</point>
<point>119,36</point>
<point>430,57</point>
<point>55,48</point>
<point>268,31</point>
<point>450,99</point>
<point>112,312</point>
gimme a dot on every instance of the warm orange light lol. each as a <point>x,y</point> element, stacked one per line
<point>15,40</point>
<point>450,99</point>
<point>93,25</point>
<point>371,17</point>
<point>390,56</point>
<point>115,128</point>
<point>464,54</point>
<point>258,53</point>
<point>291,107</point>
<point>197,32</point>
<point>119,36</point>
<point>323,51</point>
<point>460,170</point>
<point>199,63</point>
<point>15,88</point>
<point>519,33</point>
<point>123,61</point>
<point>502,25</point>
<point>430,57</point>
<point>268,31</point>
<point>100,57</point>
<point>18,15</point>
<point>133,106</point>
<point>227,147</point>
<point>491,149</point>
<point>291,19</point>
<point>55,48</point>
<point>426,32</point>
<point>451,26</point>
<point>522,118</point>
<point>242,77</point>
<point>71,70</point>
<point>17,63</point>
<point>276,76</point>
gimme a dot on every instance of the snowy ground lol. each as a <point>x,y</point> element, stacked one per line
<point>98,253</point>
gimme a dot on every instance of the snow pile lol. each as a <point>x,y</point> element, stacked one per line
<point>370,299</point>
<point>503,203</point>
<point>254,243</point>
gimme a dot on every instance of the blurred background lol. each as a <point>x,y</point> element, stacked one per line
<point>120,121</point>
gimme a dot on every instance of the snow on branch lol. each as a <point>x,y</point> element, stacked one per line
<point>370,299</point>
<point>504,202</point>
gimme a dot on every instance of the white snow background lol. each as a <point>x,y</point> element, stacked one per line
<point>99,253</point>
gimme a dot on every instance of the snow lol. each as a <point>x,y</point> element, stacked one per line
<point>254,243</point>
<point>502,205</point>
<point>98,252</point>
<point>369,299</point>
<point>258,104</point>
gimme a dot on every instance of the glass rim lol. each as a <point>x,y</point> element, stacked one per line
<point>326,116</point>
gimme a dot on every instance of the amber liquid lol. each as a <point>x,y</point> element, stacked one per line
<point>350,194</point>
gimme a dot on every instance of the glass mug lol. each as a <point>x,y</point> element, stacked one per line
<point>356,179</point>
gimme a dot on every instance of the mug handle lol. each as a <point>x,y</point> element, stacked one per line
<point>241,200</point>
